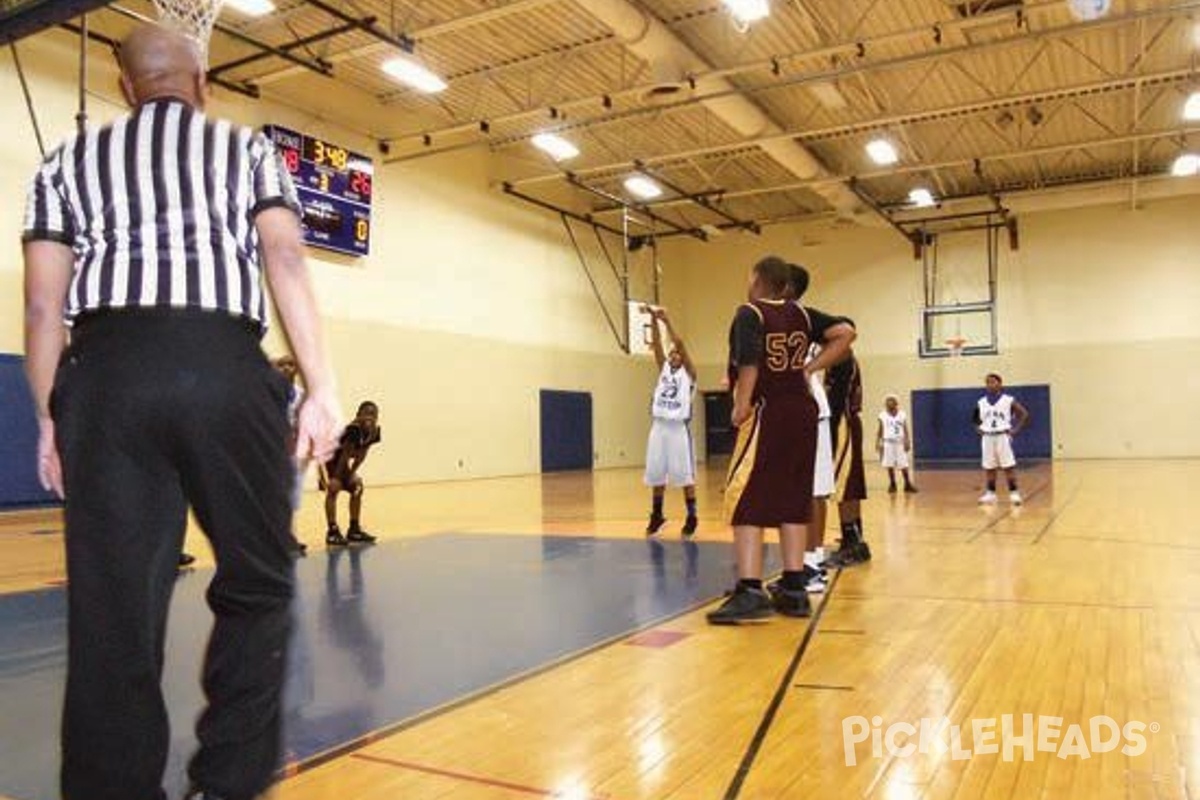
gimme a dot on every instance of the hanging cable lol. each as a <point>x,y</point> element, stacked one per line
<point>37,129</point>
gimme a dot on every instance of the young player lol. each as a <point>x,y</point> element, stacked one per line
<point>771,474</point>
<point>340,474</point>
<point>670,458</point>
<point>824,482</point>
<point>843,385</point>
<point>998,418</point>
<point>893,443</point>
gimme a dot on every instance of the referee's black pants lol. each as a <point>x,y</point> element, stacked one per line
<point>155,413</point>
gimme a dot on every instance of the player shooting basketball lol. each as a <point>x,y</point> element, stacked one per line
<point>670,458</point>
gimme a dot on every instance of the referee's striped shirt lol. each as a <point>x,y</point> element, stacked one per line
<point>159,208</point>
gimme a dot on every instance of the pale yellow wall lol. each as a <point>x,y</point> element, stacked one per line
<point>1100,303</point>
<point>468,304</point>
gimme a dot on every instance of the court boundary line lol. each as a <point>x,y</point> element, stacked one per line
<point>467,777</point>
<point>974,535</point>
<point>734,790</point>
<point>348,748</point>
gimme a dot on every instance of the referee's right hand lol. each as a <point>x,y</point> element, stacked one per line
<point>318,426</point>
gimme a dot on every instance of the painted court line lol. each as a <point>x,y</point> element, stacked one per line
<point>477,779</point>
<point>768,719</point>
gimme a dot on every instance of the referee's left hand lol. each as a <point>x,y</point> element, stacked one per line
<point>49,466</point>
<point>318,426</point>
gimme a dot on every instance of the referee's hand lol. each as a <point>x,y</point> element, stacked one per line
<point>49,466</point>
<point>318,426</point>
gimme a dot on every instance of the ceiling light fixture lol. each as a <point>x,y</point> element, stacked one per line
<point>1186,166</point>
<point>921,198</point>
<point>555,146</point>
<point>747,11</point>
<point>414,75</point>
<point>882,152</point>
<point>643,187</point>
<point>1191,108</point>
<point>251,8</point>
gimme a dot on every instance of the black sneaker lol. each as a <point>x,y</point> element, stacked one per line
<point>892,488</point>
<point>788,602</point>
<point>359,536</point>
<point>334,538</point>
<point>910,489</point>
<point>689,527</point>
<point>186,560</point>
<point>862,552</point>
<point>655,524</point>
<point>743,606</point>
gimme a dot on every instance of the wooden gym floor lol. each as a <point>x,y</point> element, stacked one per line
<point>1083,603</point>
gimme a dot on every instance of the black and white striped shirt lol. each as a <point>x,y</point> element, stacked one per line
<point>159,208</point>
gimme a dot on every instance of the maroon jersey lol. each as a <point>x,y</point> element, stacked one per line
<point>774,336</point>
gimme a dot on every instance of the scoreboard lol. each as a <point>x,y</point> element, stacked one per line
<point>335,190</point>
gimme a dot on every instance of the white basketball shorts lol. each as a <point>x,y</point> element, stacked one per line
<point>824,482</point>
<point>670,460</point>
<point>997,451</point>
<point>894,455</point>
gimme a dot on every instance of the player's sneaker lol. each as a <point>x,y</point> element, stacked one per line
<point>743,606</point>
<point>334,538</point>
<point>655,524</point>
<point>862,551</point>
<point>817,583</point>
<point>788,602</point>
<point>847,555</point>
<point>357,535</point>
<point>988,498</point>
<point>1014,497</point>
<point>689,527</point>
<point>910,489</point>
<point>891,488</point>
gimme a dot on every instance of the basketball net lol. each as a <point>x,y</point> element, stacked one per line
<point>956,345</point>
<point>192,18</point>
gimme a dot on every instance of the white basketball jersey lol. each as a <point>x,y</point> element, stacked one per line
<point>673,394</point>
<point>893,427</point>
<point>996,417</point>
<point>816,385</point>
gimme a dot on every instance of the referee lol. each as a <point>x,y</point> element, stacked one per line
<point>151,236</point>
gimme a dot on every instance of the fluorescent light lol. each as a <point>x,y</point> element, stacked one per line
<point>882,152</point>
<point>921,198</point>
<point>1191,109</point>
<point>747,11</point>
<point>412,74</point>
<point>643,187</point>
<point>555,146</point>
<point>1186,165</point>
<point>252,8</point>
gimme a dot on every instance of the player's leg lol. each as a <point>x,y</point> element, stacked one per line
<point>125,516</point>
<point>789,594</point>
<point>989,494</point>
<point>891,471</point>
<point>355,533</point>
<point>909,486</point>
<point>333,534</point>
<point>657,468</point>
<point>991,462</point>
<point>851,491</point>
<point>1008,462</point>
<point>681,471</point>
<point>814,549</point>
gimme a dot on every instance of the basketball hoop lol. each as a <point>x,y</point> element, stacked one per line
<point>955,344</point>
<point>193,18</point>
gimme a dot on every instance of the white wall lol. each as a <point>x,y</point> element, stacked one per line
<point>1101,303</point>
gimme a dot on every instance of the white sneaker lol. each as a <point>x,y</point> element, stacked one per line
<point>816,584</point>
<point>1014,497</point>
<point>988,498</point>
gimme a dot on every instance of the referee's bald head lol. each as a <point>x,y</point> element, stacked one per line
<point>159,62</point>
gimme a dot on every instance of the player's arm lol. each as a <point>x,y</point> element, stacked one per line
<point>656,345</point>
<point>677,342</point>
<point>1020,417</point>
<point>907,438</point>
<point>977,418</point>
<point>48,268</point>
<point>836,335</point>
<point>746,350</point>
<point>879,435</point>
<point>277,220</point>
